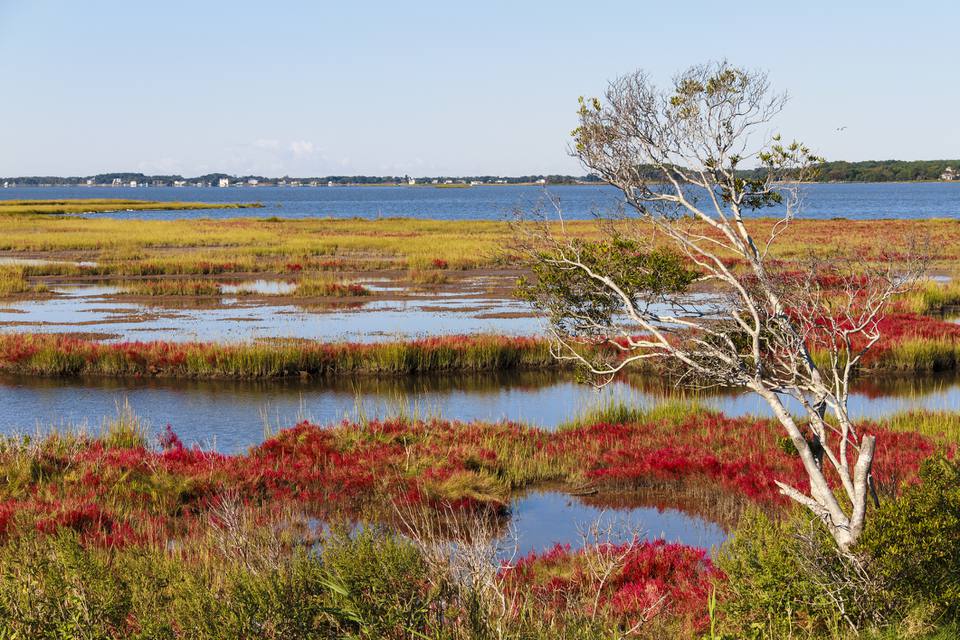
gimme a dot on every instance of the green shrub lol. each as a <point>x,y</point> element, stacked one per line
<point>915,541</point>
<point>769,593</point>
<point>377,585</point>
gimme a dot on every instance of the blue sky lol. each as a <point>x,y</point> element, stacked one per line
<point>424,88</point>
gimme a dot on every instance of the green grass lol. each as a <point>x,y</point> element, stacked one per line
<point>931,297</point>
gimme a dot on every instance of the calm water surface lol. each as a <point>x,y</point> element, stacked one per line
<point>541,519</point>
<point>233,415</point>
<point>880,200</point>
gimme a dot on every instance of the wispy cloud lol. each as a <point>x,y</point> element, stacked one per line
<point>300,148</point>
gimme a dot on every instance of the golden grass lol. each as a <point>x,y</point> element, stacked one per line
<point>13,281</point>
<point>267,243</point>
<point>173,287</point>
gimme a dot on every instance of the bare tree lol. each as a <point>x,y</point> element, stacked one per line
<point>685,274</point>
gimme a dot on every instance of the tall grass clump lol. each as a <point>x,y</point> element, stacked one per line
<point>617,410</point>
<point>13,281</point>
<point>173,287</point>
<point>322,287</point>
<point>931,297</point>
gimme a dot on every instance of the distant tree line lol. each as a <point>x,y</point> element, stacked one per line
<point>214,178</point>
<point>835,171</point>
<point>885,170</point>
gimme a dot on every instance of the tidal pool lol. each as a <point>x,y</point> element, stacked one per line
<point>541,519</point>
<point>89,309</point>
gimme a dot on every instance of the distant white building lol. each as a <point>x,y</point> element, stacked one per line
<point>6,185</point>
<point>475,182</point>
<point>89,182</point>
<point>116,182</point>
<point>434,181</point>
<point>133,183</point>
<point>252,182</point>
<point>411,181</point>
<point>179,183</point>
<point>541,181</point>
<point>950,174</point>
<point>330,183</point>
<point>224,182</point>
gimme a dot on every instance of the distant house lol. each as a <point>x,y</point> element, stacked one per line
<point>411,181</point>
<point>89,182</point>
<point>116,182</point>
<point>330,183</point>
<point>542,181</point>
<point>133,183</point>
<point>252,182</point>
<point>179,183</point>
<point>950,174</point>
<point>224,182</point>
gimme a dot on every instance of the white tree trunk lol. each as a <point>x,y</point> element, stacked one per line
<point>822,501</point>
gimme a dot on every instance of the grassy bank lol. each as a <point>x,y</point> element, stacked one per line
<point>52,355</point>
<point>911,344</point>
<point>103,205</point>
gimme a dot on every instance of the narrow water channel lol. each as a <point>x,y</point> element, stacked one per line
<point>231,416</point>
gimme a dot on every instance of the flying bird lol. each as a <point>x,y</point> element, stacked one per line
<point>841,128</point>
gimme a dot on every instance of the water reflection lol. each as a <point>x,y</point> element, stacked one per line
<point>541,519</point>
<point>231,415</point>
<point>89,309</point>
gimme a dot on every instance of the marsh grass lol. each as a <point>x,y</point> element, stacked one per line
<point>619,410</point>
<point>427,276</point>
<point>931,297</point>
<point>918,355</point>
<point>173,287</point>
<point>324,287</point>
<point>52,355</point>
<point>942,426</point>
<point>13,281</point>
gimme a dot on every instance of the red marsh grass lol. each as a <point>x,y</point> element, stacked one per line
<point>115,489</point>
